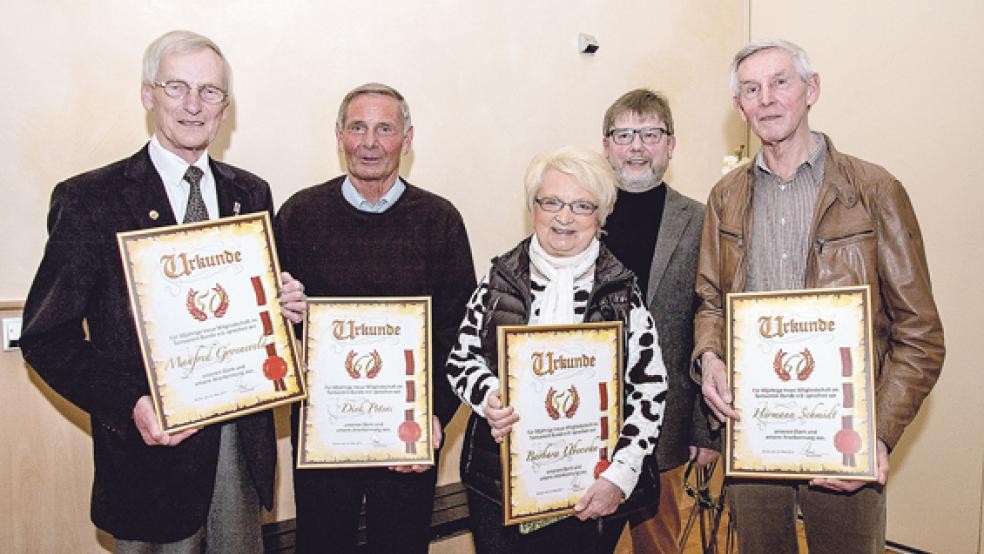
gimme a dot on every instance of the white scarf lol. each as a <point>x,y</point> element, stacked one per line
<point>557,306</point>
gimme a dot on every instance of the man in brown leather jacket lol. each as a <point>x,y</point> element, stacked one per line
<point>803,215</point>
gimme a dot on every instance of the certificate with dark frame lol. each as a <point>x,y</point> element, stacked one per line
<point>205,300</point>
<point>565,382</point>
<point>801,371</point>
<point>369,383</point>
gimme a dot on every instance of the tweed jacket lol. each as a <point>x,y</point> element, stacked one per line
<point>672,301</point>
<point>864,231</point>
<point>80,337</point>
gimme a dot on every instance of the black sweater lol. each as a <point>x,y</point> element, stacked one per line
<point>418,247</point>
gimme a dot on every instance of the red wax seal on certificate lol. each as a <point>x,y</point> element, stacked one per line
<point>847,441</point>
<point>600,467</point>
<point>409,431</point>
<point>274,368</point>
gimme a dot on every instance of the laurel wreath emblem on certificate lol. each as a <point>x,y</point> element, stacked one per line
<point>369,365</point>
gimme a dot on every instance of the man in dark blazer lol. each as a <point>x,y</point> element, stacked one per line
<point>655,231</point>
<point>194,489</point>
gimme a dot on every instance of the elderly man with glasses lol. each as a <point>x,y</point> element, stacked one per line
<point>655,231</point>
<point>193,491</point>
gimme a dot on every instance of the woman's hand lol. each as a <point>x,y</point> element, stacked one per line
<point>602,498</point>
<point>500,419</point>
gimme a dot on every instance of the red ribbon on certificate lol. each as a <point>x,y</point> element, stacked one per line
<point>603,462</point>
<point>409,430</point>
<point>847,441</point>
<point>274,367</point>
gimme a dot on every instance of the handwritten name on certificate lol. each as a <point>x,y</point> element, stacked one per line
<point>369,383</point>
<point>801,371</point>
<point>565,382</point>
<point>204,296</point>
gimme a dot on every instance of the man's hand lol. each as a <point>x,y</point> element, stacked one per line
<point>703,457</point>
<point>500,419</point>
<point>293,302</point>
<point>714,386</point>
<point>601,499</point>
<point>436,439</point>
<point>146,421</point>
<point>850,485</point>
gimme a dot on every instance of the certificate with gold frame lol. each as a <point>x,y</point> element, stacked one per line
<point>369,377</point>
<point>205,300</point>
<point>800,365</point>
<point>565,382</point>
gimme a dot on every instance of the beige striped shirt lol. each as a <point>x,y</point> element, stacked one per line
<point>782,212</point>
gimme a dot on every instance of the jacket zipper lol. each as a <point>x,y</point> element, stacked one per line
<point>820,243</point>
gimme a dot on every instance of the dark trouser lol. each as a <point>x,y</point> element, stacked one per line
<point>566,536</point>
<point>398,509</point>
<point>839,523</point>
<point>233,522</point>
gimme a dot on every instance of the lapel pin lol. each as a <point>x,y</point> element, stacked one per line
<point>235,208</point>
<point>154,215</point>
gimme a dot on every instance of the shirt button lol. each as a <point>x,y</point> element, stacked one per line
<point>782,220</point>
<point>785,255</point>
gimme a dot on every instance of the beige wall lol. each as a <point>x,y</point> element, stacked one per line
<point>490,84</point>
<point>901,86</point>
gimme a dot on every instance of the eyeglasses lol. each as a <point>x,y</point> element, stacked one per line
<point>649,135</point>
<point>578,207</point>
<point>210,94</point>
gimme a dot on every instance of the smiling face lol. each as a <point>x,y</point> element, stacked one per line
<point>186,126</point>
<point>773,98</point>
<point>563,233</point>
<point>372,139</point>
<point>639,166</point>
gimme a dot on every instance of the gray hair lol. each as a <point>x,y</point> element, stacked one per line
<point>800,59</point>
<point>375,88</point>
<point>181,41</point>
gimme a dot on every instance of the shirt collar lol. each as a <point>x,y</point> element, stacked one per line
<point>812,161</point>
<point>170,166</point>
<point>359,202</point>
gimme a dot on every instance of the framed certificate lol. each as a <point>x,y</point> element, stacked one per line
<point>369,381</point>
<point>204,296</point>
<point>565,382</point>
<point>800,368</point>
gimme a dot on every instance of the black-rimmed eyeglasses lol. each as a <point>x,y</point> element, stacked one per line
<point>649,135</point>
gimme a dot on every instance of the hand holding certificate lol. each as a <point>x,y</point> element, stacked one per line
<point>565,383</point>
<point>369,382</point>
<point>214,343</point>
<point>800,370</point>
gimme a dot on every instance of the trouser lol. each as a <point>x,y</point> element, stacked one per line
<point>398,509</point>
<point>233,522</point>
<point>566,536</point>
<point>765,514</point>
<point>658,531</point>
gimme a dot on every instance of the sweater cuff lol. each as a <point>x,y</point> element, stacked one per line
<point>493,384</point>
<point>623,476</point>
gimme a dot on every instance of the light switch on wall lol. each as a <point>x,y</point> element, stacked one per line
<point>11,333</point>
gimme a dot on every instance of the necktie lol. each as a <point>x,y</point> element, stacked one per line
<point>195,210</point>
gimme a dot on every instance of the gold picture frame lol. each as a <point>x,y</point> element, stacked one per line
<point>370,383</point>
<point>205,300</point>
<point>565,382</point>
<point>800,365</point>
